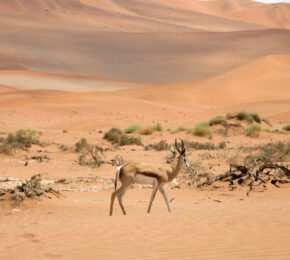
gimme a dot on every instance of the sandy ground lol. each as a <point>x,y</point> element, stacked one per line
<point>73,69</point>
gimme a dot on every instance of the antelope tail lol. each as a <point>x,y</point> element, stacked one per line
<point>119,168</point>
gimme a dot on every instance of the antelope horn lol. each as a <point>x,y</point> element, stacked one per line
<point>176,146</point>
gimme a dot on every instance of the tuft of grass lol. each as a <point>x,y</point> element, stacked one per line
<point>132,129</point>
<point>255,117</point>
<point>179,129</point>
<point>157,128</point>
<point>274,131</point>
<point>286,127</point>
<point>219,120</point>
<point>266,121</point>
<point>146,131</point>
<point>253,130</point>
<point>243,115</point>
<point>162,145</point>
<point>3,133</point>
<point>130,140</point>
<point>202,129</point>
<point>113,135</point>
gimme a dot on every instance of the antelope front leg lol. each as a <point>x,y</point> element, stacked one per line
<point>155,187</point>
<point>161,188</point>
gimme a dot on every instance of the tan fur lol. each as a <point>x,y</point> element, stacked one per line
<point>144,173</point>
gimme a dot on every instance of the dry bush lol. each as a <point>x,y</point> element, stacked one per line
<point>160,146</point>
<point>82,146</point>
<point>113,135</point>
<point>116,136</point>
<point>22,140</point>
<point>130,140</point>
<point>205,146</point>
<point>29,189</point>
<point>146,131</point>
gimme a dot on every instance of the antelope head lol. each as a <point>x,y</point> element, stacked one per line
<point>182,153</point>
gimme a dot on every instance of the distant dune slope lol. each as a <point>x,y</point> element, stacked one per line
<point>153,41</point>
<point>263,80</point>
<point>28,80</point>
<point>261,85</point>
<point>153,57</point>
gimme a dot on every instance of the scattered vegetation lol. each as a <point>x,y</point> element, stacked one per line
<point>158,127</point>
<point>115,136</point>
<point>286,127</point>
<point>202,129</point>
<point>249,117</point>
<point>219,120</point>
<point>205,146</point>
<point>149,130</point>
<point>146,131</point>
<point>132,129</point>
<point>266,121</point>
<point>130,140</point>
<point>253,131</point>
<point>274,131</point>
<point>160,146</point>
<point>82,146</point>
<point>29,189</point>
<point>22,140</point>
<point>177,130</point>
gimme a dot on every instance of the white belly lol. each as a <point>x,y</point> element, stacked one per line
<point>141,179</point>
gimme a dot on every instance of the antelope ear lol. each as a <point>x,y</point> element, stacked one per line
<point>183,152</point>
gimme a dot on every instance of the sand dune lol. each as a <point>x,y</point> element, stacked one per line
<point>162,57</point>
<point>28,80</point>
<point>275,15</point>
<point>265,79</point>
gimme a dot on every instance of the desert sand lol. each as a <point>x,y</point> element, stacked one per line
<point>74,69</point>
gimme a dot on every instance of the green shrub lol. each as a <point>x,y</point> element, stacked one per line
<point>132,129</point>
<point>26,132</point>
<point>113,135</point>
<point>177,130</point>
<point>219,120</point>
<point>253,130</point>
<point>256,117</point>
<point>286,127</point>
<point>157,128</point>
<point>243,115</point>
<point>20,140</point>
<point>130,140</point>
<point>202,129</point>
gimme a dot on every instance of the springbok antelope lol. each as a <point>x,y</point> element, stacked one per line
<point>143,173</point>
